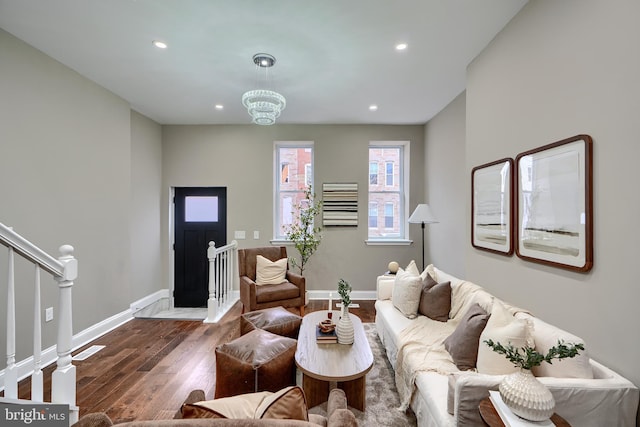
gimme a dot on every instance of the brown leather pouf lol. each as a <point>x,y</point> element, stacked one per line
<point>277,320</point>
<point>257,361</point>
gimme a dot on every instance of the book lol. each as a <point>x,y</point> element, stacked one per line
<point>509,418</point>
<point>323,338</point>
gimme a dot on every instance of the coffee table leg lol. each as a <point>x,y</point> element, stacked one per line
<point>316,391</point>
<point>355,391</point>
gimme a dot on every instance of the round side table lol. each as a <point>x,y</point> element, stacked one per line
<point>492,419</point>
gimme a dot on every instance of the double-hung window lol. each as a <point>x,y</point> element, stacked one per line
<point>294,173</point>
<point>388,193</point>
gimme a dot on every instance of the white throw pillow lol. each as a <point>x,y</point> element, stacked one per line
<point>412,268</point>
<point>406,292</point>
<point>502,327</point>
<point>270,272</point>
<point>545,337</point>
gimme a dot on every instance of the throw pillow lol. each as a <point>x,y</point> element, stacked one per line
<point>412,268</point>
<point>502,327</point>
<point>435,300</point>
<point>545,337</point>
<point>288,403</point>
<point>462,344</point>
<point>241,406</point>
<point>270,272</point>
<point>406,293</point>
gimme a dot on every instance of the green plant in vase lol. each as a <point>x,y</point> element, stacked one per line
<point>529,357</point>
<point>523,393</point>
<point>302,232</point>
<point>344,289</point>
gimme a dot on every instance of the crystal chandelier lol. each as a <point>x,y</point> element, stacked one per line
<point>264,105</point>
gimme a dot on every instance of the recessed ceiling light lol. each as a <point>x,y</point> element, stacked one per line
<point>160,44</point>
<point>401,46</point>
<point>219,106</point>
<point>373,107</point>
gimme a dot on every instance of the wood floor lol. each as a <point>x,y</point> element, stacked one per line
<point>149,366</point>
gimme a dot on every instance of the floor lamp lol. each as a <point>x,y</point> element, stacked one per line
<point>422,215</point>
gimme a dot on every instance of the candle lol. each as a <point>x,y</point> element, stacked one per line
<point>330,302</point>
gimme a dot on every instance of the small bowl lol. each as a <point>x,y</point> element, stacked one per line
<point>326,328</point>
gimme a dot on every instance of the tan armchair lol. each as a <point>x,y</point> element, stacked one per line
<point>290,293</point>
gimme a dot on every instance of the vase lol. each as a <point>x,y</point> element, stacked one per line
<point>344,328</point>
<point>527,397</point>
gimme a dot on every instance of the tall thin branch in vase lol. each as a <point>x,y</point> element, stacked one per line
<point>302,231</point>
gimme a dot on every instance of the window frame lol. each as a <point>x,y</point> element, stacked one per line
<point>387,175</point>
<point>308,177</point>
<point>404,183</point>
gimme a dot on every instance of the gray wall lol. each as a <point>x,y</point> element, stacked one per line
<point>447,181</point>
<point>557,70</point>
<point>66,177</point>
<point>240,157</point>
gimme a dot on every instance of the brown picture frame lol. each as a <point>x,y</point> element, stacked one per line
<point>554,204</point>
<point>492,207</point>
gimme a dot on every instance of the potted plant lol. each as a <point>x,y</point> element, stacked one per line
<point>344,329</point>
<point>302,232</point>
<point>521,391</point>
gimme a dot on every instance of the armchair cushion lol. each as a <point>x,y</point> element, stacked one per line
<point>281,291</point>
<point>270,272</point>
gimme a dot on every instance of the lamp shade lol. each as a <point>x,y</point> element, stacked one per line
<point>422,214</point>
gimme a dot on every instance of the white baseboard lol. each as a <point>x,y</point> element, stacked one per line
<point>49,355</point>
<point>149,299</point>
<point>355,295</point>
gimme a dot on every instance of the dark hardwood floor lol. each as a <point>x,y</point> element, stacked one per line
<point>149,366</point>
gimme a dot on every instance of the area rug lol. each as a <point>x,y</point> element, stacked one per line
<point>382,395</point>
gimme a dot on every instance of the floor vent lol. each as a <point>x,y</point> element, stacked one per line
<point>83,355</point>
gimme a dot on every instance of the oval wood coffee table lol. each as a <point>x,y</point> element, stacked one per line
<point>322,364</point>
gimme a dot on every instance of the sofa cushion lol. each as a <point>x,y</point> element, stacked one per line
<point>435,300</point>
<point>406,292</point>
<point>501,327</point>
<point>462,344</point>
<point>270,272</point>
<point>288,403</point>
<point>545,337</point>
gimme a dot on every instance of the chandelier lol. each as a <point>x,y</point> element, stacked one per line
<point>263,105</point>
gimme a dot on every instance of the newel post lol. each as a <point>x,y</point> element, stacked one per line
<point>212,304</point>
<point>63,387</point>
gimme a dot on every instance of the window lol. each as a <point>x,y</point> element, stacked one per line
<point>388,170</point>
<point>294,173</point>
<point>389,193</point>
<point>388,215</point>
<point>373,215</point>
<point>201,209</point>
<point>373,173</point>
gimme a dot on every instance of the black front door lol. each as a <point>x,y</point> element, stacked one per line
<point>200,217</point>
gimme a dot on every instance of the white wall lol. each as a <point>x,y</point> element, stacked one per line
<point>240,158</point>
<point>146,184</point>
<point>66,163</point>
<point>561,68</point>
<point>447,180</point>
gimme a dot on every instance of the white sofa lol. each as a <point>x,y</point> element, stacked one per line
<point>442,398</point>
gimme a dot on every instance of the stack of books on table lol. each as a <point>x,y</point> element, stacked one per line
<point>509,418</point>
<point>322,338</point>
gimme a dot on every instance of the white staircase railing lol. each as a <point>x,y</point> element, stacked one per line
<point>64,270</point>
<point>224,288</point>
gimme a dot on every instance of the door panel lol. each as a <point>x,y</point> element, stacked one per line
<point>200,217</point>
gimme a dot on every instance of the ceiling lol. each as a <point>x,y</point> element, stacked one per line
<point>334,58</point>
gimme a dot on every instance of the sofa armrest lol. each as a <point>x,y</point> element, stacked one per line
<point>384,287</point>
<point>466,391</point>
<point>247,293</point>
<point>297,280</point>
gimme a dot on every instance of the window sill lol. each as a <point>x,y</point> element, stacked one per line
<point>280,242</point>
<point>388,242</point>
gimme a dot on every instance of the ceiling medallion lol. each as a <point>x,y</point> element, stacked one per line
<point>263,105</point>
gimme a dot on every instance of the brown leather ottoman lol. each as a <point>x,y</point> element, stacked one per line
<point>257,361</point>
<point>277,320</point>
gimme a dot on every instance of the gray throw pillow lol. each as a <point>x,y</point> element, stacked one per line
<point>435,300</point>
<point>463,343</point>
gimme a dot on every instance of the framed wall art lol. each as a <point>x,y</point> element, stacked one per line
<point>555,204</point>
<point>492,207</point>
<point>340,204</point>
